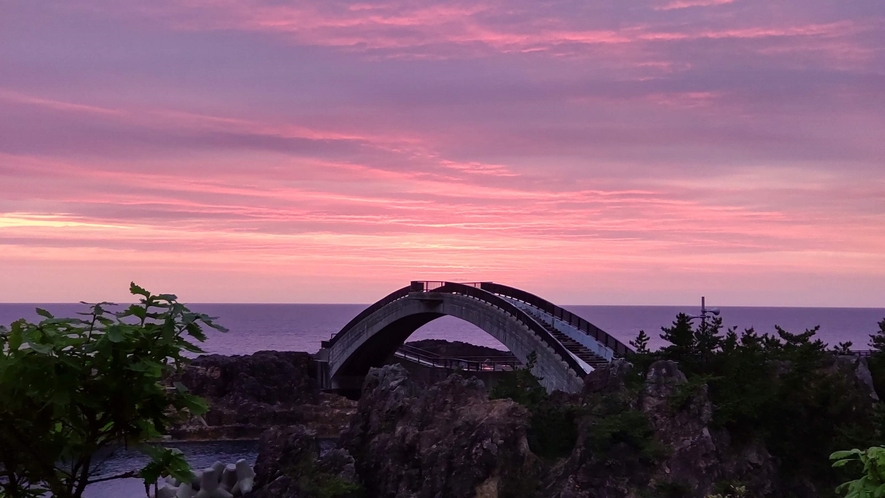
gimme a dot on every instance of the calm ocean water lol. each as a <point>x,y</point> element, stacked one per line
<point>301,327</point>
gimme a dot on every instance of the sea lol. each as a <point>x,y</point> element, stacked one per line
<point>301,327</point>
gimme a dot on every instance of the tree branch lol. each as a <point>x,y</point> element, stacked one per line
<point>124,475</point>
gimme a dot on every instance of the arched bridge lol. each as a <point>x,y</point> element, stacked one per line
<point>566,345</point>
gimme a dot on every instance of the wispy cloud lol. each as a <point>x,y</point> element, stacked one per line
<point>605,152</point>
<point>684,4</point>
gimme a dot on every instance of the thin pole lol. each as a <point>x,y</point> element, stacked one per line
<point>703,313</point>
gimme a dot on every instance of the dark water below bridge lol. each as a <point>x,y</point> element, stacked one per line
<point>301,327</point>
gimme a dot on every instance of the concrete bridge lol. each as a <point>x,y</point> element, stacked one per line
<point>566,345</point>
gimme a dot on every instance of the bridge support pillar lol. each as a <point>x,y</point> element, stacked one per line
<point>324,376</point>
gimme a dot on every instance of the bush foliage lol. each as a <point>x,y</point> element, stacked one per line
<point>785,389</point>
<point>553,430</point>
<point>871,484</point>
<point>72,387</point>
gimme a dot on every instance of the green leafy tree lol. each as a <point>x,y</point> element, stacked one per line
<point>74,388</point>
<point>872,483</point>
<point>781,389</point>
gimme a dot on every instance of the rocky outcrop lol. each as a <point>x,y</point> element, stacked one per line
<point>699,457</point>
<point>650,436</point>
<point>857,370</point>
<point>658,440</point>
<point>248,394</point>
<point>292,464</point>
<point>449,440</point>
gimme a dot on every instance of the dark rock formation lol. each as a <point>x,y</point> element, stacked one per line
<point>265,377</point>
<point>449,440</point>
<point>609,379</point>
<point>291,464</point>
<point>248,394</point>
<point>458,349</point>
<point>659,441</point>
<point>857,369</point>
<point>681,414</point>
<point>632,437</point>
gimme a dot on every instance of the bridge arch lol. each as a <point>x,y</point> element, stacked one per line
<point>516,320</point>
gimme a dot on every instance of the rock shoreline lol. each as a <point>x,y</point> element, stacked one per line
<point>407,438</point>
<point>250,393</point>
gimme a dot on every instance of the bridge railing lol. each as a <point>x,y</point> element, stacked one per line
<point>557,312</point>
<point>465,363</point>
<point>393,296</point>
<point>476,291</point>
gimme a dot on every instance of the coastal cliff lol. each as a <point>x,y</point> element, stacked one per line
<point>640,431</point>
<point>249,394</point>
<point>452,440</point>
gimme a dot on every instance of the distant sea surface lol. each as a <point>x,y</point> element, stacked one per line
<point>301,327</point>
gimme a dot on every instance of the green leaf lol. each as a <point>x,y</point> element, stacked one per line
<point>165,462</point>
<point>134,310</point>
<point>44,313</point>
<point>114,334</point>
<point>15,338</point>
<point>138,291</point>
<point>40,348</point>
<point>838,455</point>
<point>194,404</point>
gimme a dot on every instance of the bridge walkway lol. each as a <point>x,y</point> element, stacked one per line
<point>486,363</point>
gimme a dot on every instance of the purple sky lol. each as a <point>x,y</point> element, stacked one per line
<point>642,152</point>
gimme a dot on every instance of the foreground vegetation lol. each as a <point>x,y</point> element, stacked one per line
<point>787,391</point>
<point>783,389</point>
<point>72,389</point>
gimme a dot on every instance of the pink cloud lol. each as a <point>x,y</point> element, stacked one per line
<point>334,151</point>
<point>684,4</point>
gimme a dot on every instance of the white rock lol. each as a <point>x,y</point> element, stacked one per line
<point>185,490</point>
<point>229,477</point>
<point>195,482</point>
<point>245,484</point>
<point>209,481</point>
<point>220,493</point>
<point>219,468</point>
<point>166,491</point>
<point>244,470</point>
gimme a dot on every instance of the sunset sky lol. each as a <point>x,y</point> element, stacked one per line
<point>615,152</point>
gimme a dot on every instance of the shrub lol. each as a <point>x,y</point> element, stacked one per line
<point>553,430</point>
<point>872,481</point>
<point>781,389</point>
<point>71,387</point>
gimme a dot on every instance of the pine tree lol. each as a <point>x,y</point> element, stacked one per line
<point>877,340</point>
<point>681,338</point>
<point>640,344</point>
